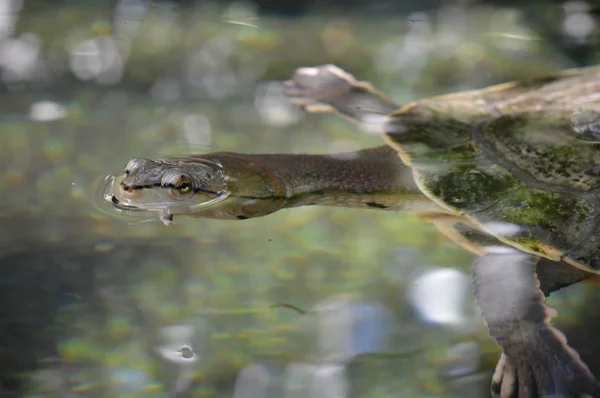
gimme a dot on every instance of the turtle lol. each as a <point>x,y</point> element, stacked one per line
<point>510,172</point>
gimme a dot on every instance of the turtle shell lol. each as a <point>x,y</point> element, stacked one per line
<point>521,160</point>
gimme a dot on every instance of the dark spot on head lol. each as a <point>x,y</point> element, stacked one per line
<point>377,205</point>
<point>242,217</point>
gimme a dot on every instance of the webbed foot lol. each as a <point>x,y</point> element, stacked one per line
<point>327,88</point>
<point>536,360</point>
<point>539,380</point>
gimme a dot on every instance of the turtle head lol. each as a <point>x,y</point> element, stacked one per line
<point>176,185</point>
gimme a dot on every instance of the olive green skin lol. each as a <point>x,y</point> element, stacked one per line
<point>521,153</point>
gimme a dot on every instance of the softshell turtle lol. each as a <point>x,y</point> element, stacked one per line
<point>510,172</point>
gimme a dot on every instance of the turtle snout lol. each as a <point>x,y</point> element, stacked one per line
<point>126,191</point>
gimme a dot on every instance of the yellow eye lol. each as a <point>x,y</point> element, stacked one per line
<point>184,187</point>
<point>181,188</point>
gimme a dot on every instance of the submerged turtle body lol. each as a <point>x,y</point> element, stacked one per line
<point>511,172</point>
<point>511,156</point>
<point>516,168</point>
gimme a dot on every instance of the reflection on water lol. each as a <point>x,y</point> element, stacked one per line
<point>463,359</point>
<point>126,324</point>
<point>182,346</point>
<point>439,297</point>
<point>100,306</point>
<point>351,339</point>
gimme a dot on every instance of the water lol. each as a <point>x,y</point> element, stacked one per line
<point>101,302</point>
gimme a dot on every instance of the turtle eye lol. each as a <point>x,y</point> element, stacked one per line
<point>184,187</point>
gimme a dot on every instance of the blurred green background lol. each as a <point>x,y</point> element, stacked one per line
<point>96,304</point>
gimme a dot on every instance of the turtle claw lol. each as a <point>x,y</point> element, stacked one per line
<point>540,380</point>
<point>503,378</point>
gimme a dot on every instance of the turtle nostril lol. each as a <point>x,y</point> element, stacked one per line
<point>126,188</point>
<point>127,191</point>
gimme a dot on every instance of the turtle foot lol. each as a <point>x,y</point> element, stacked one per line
<point>314,88</point>
<point>537,361</point>
<point>327,88</point>
<point>540,381</point>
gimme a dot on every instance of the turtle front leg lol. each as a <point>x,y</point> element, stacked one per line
<point>536,360</point>
<point>327,88</point>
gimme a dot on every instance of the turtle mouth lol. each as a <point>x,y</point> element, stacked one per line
<point>109,196</point>
<point>112,198</point>
<point>107,190</point>
<point>153,202</point>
